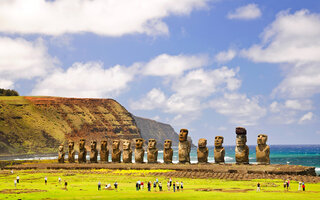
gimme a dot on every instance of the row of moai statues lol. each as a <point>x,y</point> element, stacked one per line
<point>241,150</point>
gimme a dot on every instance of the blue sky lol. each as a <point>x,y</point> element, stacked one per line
<point>208,66</point>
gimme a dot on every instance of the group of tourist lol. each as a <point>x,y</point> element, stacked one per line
<point>176,186</point>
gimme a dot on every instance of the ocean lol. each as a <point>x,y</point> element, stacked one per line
<point>307,155</point>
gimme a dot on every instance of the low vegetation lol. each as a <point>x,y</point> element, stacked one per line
<point>82,184</point>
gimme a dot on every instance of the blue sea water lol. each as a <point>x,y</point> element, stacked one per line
<point>307,155</point>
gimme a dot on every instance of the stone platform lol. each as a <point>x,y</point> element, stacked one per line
<point>205,171</point>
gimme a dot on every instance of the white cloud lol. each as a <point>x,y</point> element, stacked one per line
<point>154,99</point>
<point>299,104</point>
<point>225,56</point>
<point>289,111</point>
<point>168,65</point>
<point>248,12</point>
<point>102,17</point>
<point>307,117</point>
<point>292,39</point>
<point>86,80</point>
<point>21,59</point>
<point>202,83</point>
<point>240,109</point>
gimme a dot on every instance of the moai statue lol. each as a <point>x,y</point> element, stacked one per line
<point>82,157</point>
<point>152,152</point>
<point>184,147</point>
<point>262,150</point>
<point>139,151</point>
<point>241,150</point>
<point>93,152</point>
<point>218,151</point>
<point>116,152</point>
<point>61,154</point>
<point>202,151</point>
<point>167,152</point>
<point>104,152</point>
<point>127,152</point>
<point>71,152</point>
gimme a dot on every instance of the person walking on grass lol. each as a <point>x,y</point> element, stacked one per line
<point>174,187</point>
<point>170,182</point>
<point>65,184</point>
<point>303,187</point>
<point>168,185</point>
<point>160,186</point>
<point>288,184</point>
<point>59,179</point>
<point>258,187</point>
<point>18,179</point>
<point>141,185</point>
<point>15,183</point>
<point>177,184</point>
<point>116,185</point>
<point>137,186</point>
<point>181,185</point>
<point>155,186</point>
<point>45,180</point>
<point>299,187</point>
<point>99,185</point>
<point>149,186</point>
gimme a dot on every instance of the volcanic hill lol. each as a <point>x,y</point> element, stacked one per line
<point>39,124</point>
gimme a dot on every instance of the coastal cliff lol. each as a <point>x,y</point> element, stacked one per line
<point>39,124</point>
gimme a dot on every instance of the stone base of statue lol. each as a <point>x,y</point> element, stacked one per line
<point>82,156</point>
<point>167,155</point>
<point>138,155</point>
<point>184,152</point>
<point>127,156</point>
<point>219,154</point>
<point>152,155</point>
<point>116,156</point>
<point>94,156</point>
<point>242,155</point>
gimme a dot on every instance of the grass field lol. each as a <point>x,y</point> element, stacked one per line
<point>82,184</point>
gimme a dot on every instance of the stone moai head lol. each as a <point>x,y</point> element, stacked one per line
<point>262,139</point>
<point>139,143</point>
<point>115,144</point>
<point>126,144</point>
<point>167,144</point>
<point>82,144</point>
<point>93,145</point>
<point>218,140</point>
<point>202,143</point>
<point>71,145</point>
<point>183,135</point>
<point>61,148</point>
<point>104,144</point>
<point>152,143</point>
<point>241,139</point>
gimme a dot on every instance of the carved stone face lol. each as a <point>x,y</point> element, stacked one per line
<point>218,140</point>
<point>262,139</point>
<point>115,144</point>
<point>139,143</point>
<point>202,143</point>
<point>61,148</point>
<point>152,143</point>
<point>241,140</point>
<point>126,144</point>
<point>82,143</point>
<point>183,135</point>
<point>71,145</point>
<point>167,144</point>
<point>93,145</point>
<point>104,144</point>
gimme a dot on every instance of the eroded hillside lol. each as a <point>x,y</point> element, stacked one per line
<point>40,124</point>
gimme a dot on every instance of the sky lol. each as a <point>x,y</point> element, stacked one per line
<point>205,65</point>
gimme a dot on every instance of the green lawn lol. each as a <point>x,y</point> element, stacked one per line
<point>83,185</point>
